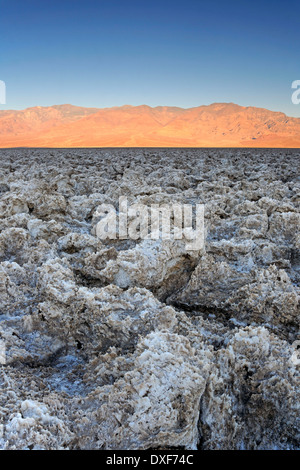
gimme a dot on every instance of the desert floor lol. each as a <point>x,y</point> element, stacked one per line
<point>141,344</point>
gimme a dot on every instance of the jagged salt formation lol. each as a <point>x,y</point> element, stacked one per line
<point>129,344</point>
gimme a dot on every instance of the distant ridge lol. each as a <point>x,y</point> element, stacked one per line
<point>215,125</point>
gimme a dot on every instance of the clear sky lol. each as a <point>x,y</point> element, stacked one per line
<point>169,52</point>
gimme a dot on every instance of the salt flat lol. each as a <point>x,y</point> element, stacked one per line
<point>137,344</point>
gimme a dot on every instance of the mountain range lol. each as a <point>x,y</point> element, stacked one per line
<point>215,125</point>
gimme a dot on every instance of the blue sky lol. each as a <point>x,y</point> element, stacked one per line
<point>175,53</point>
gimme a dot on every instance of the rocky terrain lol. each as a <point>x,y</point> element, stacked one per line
<point>214,125</point>
<point>137,344</point>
